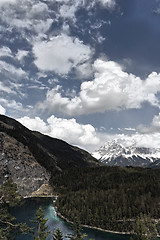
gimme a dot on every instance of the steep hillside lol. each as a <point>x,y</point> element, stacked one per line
<point>52,153</point>
<point>31,157</point>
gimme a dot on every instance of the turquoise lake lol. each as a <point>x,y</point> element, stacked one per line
<point>28,210</point>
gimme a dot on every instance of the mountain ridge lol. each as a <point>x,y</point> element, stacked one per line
<point>122,154</point>
<point>30,158</point>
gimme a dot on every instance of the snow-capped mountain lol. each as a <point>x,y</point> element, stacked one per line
<point>121,153</point>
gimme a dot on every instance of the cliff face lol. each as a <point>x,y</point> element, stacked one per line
<point>29,158</point>
<point>18,163</point>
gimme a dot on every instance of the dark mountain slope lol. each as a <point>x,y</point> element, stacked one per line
<point>51,153</point>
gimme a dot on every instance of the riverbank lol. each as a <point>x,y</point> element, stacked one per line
<point>95,228</point>
<point>92,227</point>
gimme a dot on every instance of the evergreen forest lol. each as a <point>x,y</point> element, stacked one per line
<point>110,198</point>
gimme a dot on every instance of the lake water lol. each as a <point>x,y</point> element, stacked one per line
<point>28,210</point>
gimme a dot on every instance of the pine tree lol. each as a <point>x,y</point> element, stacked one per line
<point>58,235</point>
<point>40,220</point>
<point>9,197</point>
<point>78,232</point>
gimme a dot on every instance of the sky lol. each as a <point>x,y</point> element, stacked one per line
<point>83,71</point>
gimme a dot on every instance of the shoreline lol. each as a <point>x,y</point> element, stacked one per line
<point>92,227</point>
<point>96,228</point>
<point>41,196</point>
<point>82,225</point>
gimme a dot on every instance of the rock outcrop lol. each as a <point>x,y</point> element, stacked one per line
<point>18,163</point>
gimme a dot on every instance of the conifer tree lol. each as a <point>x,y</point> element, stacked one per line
<point>78,232</point>
<point>40,221</point>
<point>9,197</point>
<point>58,235</point>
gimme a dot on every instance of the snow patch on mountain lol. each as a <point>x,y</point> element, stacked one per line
<point>122,152</point>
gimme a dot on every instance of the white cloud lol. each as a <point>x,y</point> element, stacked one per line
<point>66,129</point>
<point>68,8</point>
<point>21,54</point>
<point>38,9</point>
<point>5,51</point>
<point>2,110</point>
<point>42,26</point>
<point>61,54</point>
<point>136,140</point>
<point>111,89</point>
<point>110,4</point>
<point>26,14</point>
<point>145,136</point>
<point>86,136</point>
<point>12,104</point>
<point>6,2</point>
<point>35,124</point>
<point>68,11</point>
<point>11,71</point>
<point>5,88</point>
<point>37,16</point>
<point>153,128</point>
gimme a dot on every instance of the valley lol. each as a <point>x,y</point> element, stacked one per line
<point>99,193</point>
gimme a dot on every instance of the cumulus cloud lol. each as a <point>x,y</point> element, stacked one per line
<point>38,9</point>
<point>68,11</point>
<point>136,140</point>
<point>5,52</point>
<point>111,89</point>
<point>26,14</point>
<point>11,71</point>
<point>6,2</point>
<point>145,136</point>
<point>21,54</point>
<point>11,104</point>
<point>2,110</point>
<point>37,16</point>
<point>66,129</point>
<point>61,54</point>
<point>86,136</point>
<point>153,128</point>
<point>13,108</point>
<point>110,4</point>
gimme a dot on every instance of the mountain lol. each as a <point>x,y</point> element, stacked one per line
<point>30,158</point>
<point>122,154</point>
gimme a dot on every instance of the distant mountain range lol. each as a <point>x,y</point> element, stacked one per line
<point>117,153</point>
<point>29,157</point>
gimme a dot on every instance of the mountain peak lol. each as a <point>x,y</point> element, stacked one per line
<point>126,153</point>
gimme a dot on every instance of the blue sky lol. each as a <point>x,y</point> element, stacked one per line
<point>83,71</point>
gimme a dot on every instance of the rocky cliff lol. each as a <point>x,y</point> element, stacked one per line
<point>17,162</point>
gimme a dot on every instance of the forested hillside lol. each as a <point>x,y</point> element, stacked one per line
<point>108,197</point>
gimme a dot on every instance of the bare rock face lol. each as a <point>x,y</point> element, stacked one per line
<point>29,157</point>
<point>18,163</point>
